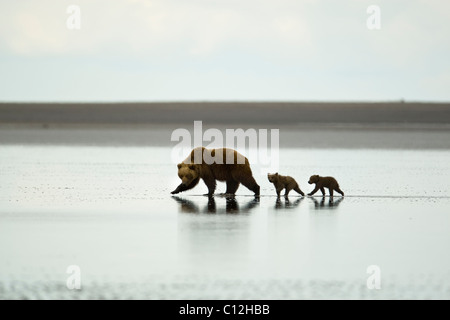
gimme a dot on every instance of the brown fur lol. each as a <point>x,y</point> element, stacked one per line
<point>284,182</point>
<point>324,182</point>
<point>209,171</point>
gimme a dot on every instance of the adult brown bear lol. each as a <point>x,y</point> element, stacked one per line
<point>216,164</point>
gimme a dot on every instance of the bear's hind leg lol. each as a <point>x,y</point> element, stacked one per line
<point>339,191</point>
<point>248,181</point>
<point>251,184</point>
<point>297,189</point>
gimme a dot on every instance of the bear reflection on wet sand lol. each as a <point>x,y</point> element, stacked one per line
<point>287,204</point>
<point>231,206</point>
<point>326,205</point>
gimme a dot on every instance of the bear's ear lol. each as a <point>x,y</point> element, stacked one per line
<point>192,166</point>
<point>276,173</point>
<point>179,165</point>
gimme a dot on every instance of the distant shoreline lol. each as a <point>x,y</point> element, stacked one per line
<point>227,113</point>
<point>301,125</point>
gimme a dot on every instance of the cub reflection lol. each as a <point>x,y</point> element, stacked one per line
<point>231,205</point>
<point>287,204</point>
<point>323,205</point>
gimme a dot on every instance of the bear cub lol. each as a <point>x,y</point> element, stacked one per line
<point>324,182</point>
<point>284,182</point>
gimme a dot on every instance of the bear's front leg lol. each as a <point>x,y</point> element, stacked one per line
<point>211,184</point>
<point>323,191</point>
<point>232,186</point>
<point>179,189</point>
<point>314,191</point>
<point>279,189</point>
<point>183,187</point>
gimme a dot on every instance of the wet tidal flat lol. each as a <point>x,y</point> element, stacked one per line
<point>109,211</point>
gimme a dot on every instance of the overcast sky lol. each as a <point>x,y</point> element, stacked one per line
<point>234,50</point>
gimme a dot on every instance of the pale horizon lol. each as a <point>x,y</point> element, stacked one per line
<point>158,51</point>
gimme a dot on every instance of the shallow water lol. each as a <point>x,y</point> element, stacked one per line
<point>109,211</point>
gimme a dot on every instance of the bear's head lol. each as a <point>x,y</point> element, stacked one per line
<point>313,179</point>
<point>272,177</point>
<point>187,173</point>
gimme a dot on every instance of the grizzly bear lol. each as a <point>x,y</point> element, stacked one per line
<point>324,182</point>
<point>284,182</point>
<point>216,164</point>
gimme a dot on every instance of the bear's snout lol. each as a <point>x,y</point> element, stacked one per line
<point>310,182</point>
